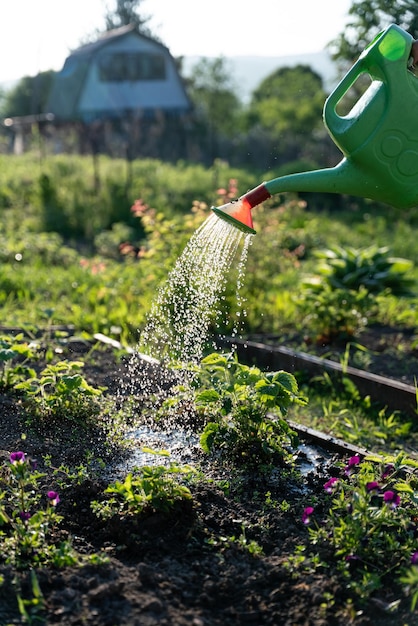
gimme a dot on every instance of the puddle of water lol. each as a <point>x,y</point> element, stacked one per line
<point>312,458</point>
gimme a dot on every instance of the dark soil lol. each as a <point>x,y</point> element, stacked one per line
<point>184,568</point>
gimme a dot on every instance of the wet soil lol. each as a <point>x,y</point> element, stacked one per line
<point>194,566</point>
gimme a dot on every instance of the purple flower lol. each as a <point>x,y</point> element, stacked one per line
<point>24,515</point>
<point>53,497</point>
<point>306,515</point>
<point>373,485</point>
<point>387,471</point>
<point>392,498</point>
<point>17,458</point>
<point>414,558</point>
<point>351,557</point>
<point>352,461</point>
<point>330,484</point>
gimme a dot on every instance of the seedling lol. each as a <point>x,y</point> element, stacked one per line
<point>60,391</point>
<point>147,489</point>
<point>15,353</point>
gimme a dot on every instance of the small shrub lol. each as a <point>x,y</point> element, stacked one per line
<point>245,409</point>
<point>341,298</point>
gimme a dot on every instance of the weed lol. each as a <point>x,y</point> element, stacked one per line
<point>240,541</point>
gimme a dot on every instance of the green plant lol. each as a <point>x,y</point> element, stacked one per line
<point>28,518</point>
<point>70,475</point>
<point>148,488</point>
<point>241,541</point>
<point>244,410</point>
<point>15,353</point>
<point>371,268</point>
<point>31,609</point>
<point>330,313</point>
<point>341,297</point>
<point>60,391</point>
<point>409,580</point>
<point>371,522</point>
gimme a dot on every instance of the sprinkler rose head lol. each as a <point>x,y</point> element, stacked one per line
<point>244,227</point>
<point>238,212</point>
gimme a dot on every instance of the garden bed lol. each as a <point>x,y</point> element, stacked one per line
<point>222,558</point>
<point>387,351</point>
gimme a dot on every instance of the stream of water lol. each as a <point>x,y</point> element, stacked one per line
<point>178,324</point>
<point>177,330</point>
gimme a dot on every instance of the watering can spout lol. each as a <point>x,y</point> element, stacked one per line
<point>378,136</point>
<point>343,179</point>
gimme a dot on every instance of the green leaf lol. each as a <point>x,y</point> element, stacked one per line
<point>215,359</point>
<point>147,450</point>
<point>207,396</point>
<point>208,436</point>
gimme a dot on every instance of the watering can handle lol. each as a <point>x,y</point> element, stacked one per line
<point>384,57</point>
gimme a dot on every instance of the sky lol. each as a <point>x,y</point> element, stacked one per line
<point>37,35</point>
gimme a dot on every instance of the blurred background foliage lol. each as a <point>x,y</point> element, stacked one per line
<point>87,239</point>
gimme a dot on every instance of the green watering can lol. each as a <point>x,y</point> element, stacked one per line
<point>378,137</point>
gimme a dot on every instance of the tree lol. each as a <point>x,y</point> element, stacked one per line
<point>285,116</point>
<point>217,107</point>
<point>367,19</point>
<point>290,100</point>
<point>126,12</point>
<point>29,96</point>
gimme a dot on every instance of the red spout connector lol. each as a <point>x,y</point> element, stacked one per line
<point>256,196</point>
<point>238,212</point>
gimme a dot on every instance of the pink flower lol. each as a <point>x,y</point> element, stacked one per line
<point>17,458</point>
<point>330,484</point>
<point>139,208</point>
<point>53,497</point>
<point>352,462</point>
<point>414,558</point>
<point>372,486</point>
<point>392,498</point>
<point>306,515</point>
